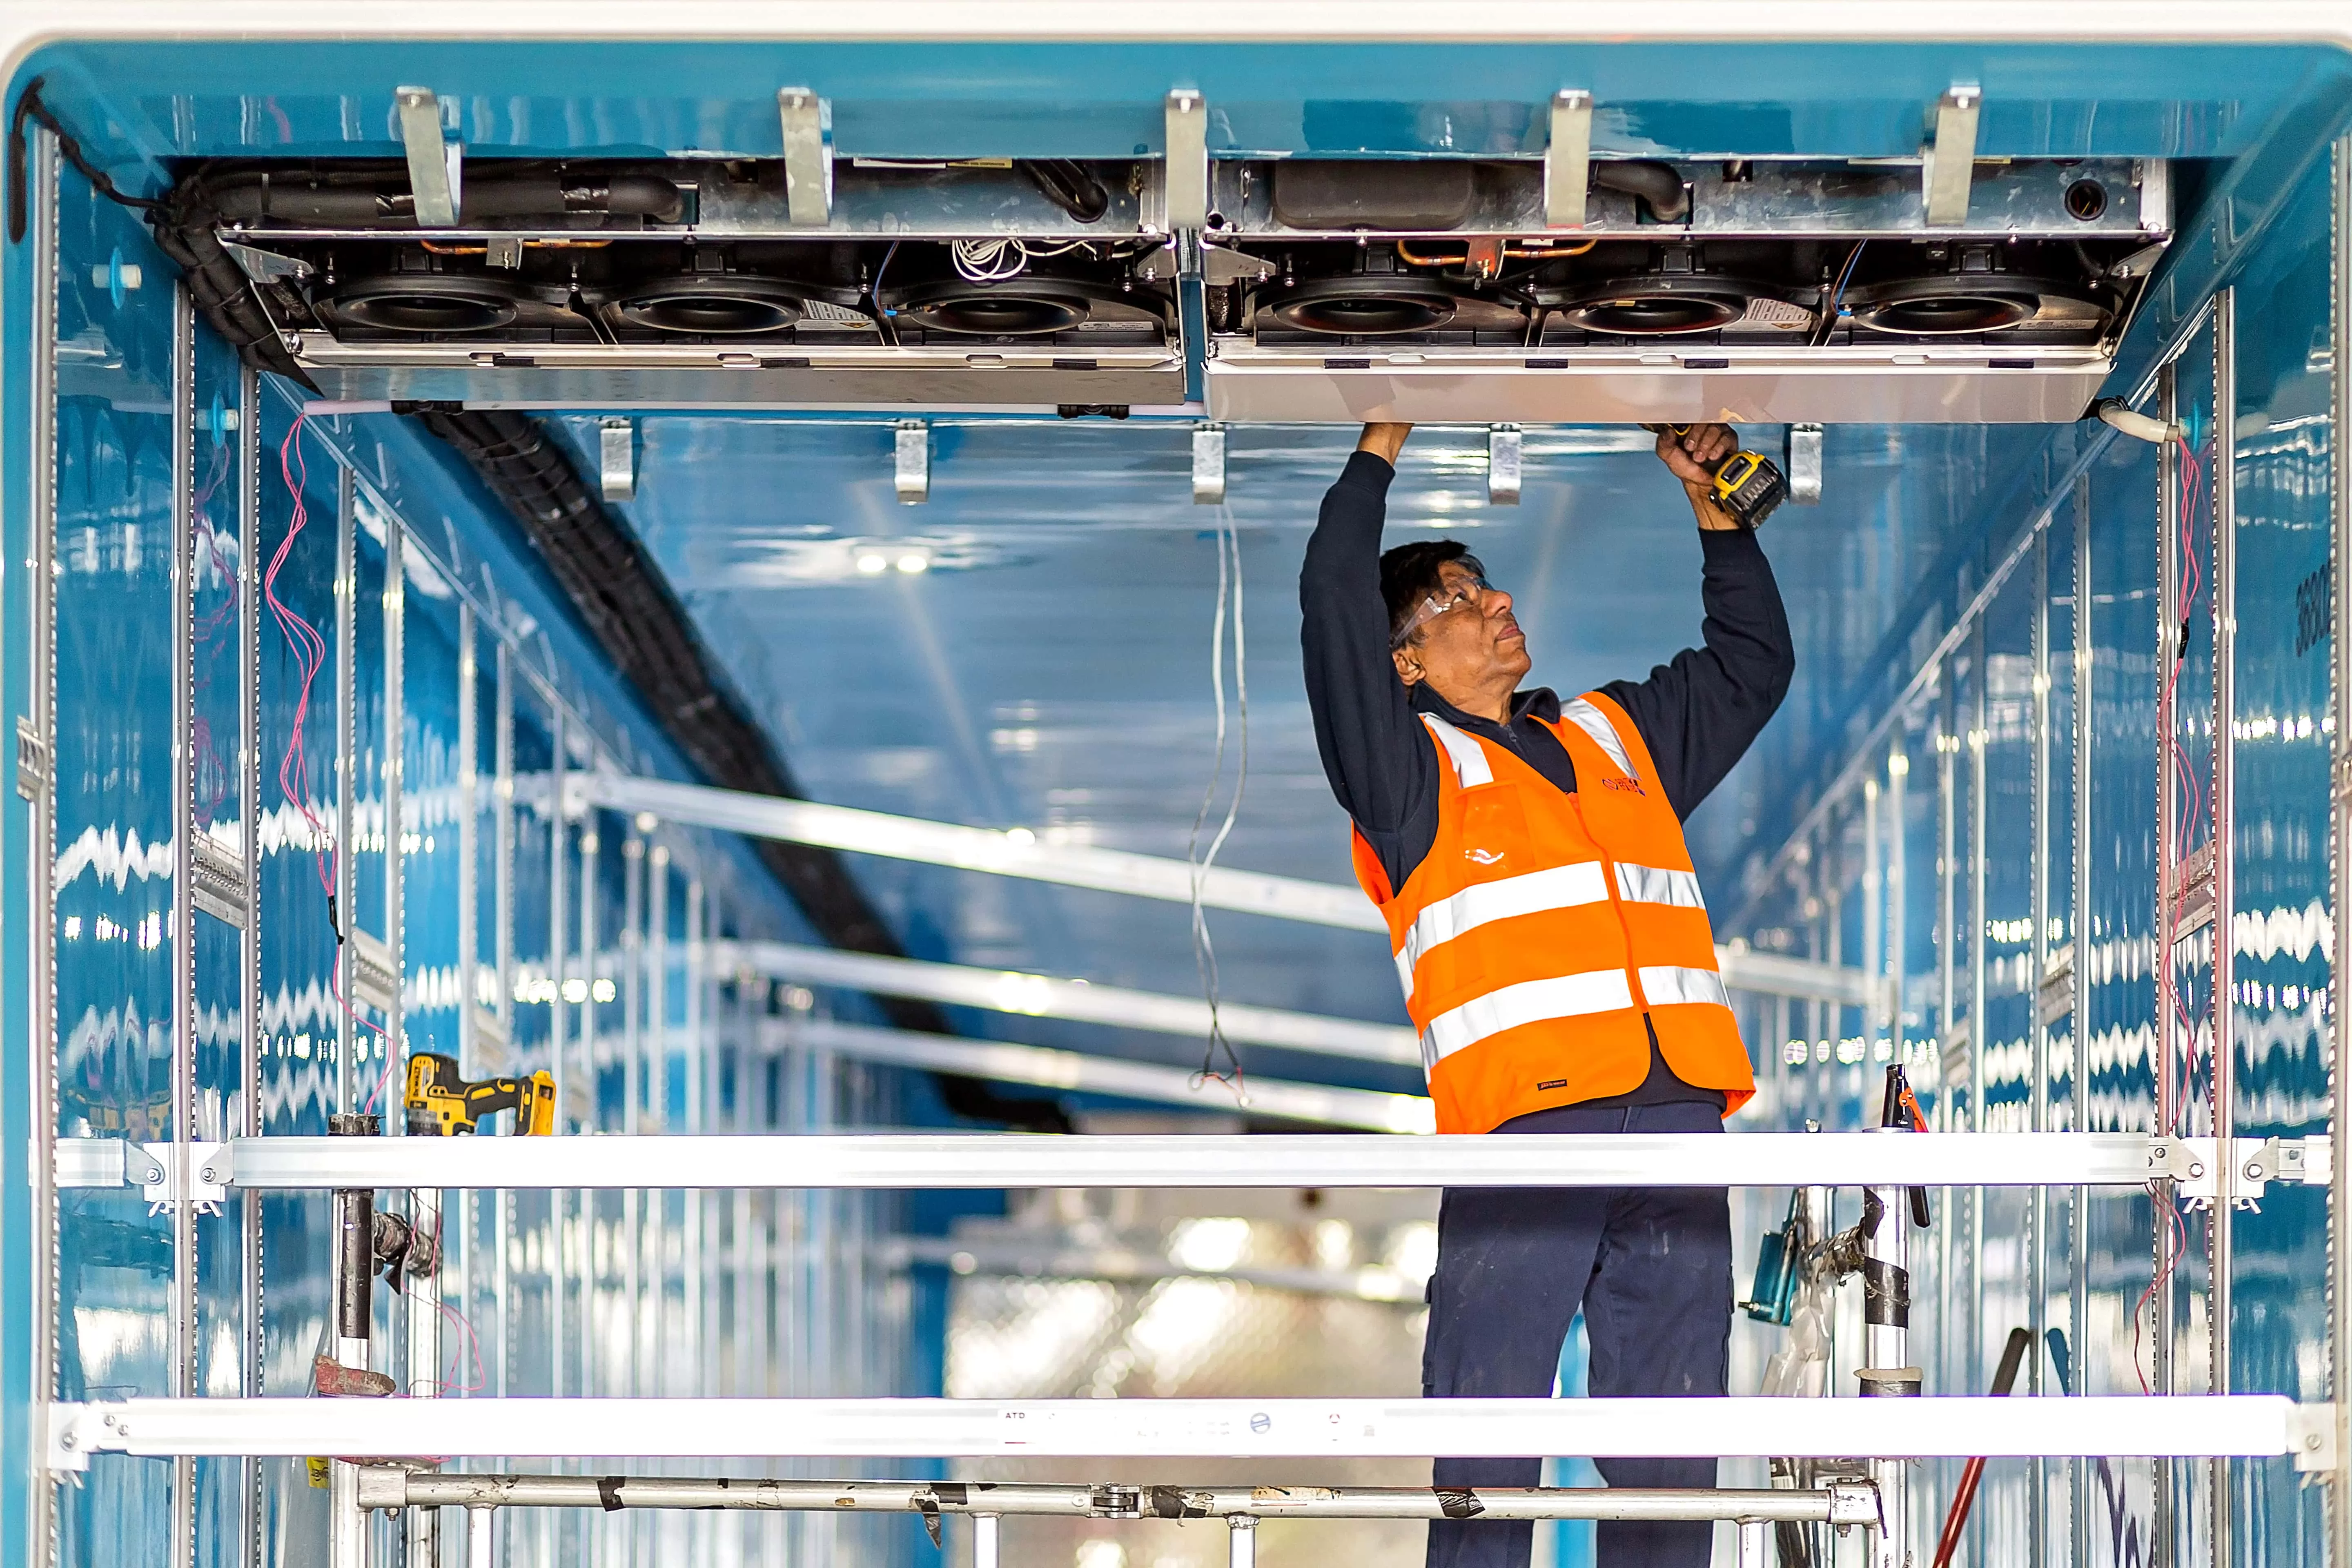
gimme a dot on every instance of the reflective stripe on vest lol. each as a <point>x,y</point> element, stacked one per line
<point>1651,885</point>
<point>1561,887</point>
<point>1470,764</point>
<point>1666,984</point>
<point>1564,996</point>
<point>1595,723</point>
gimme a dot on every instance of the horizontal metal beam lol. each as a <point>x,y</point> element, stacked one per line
<point>385,1486</point>
<point>1008,852</point>
<point>2187,1425</point>
<point>1044,996</point>
<point>1744,969</point>
<point>1082,1074</point>
<point>986,1161</point>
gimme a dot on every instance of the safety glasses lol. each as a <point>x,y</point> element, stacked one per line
<point>1471,591</point>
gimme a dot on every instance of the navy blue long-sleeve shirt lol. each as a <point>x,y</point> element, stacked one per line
<point>1698,713</point>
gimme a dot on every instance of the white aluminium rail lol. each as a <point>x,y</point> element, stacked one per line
<point>1040,1067</point>
<point>2185,1425</point>
<point>1006,852</point>
<point>1045,996</point>
<point>981,1160</point>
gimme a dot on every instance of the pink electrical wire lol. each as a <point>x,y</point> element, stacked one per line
<point>309,649</point>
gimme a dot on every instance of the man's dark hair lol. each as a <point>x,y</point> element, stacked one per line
<point>1411,573</point>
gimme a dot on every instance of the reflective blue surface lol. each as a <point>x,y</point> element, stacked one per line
<point>1048,667</point>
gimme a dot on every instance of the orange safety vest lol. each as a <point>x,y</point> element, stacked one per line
<point>1542,927</point>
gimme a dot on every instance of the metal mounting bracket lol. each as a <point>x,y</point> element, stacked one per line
<point>32,761</point>
<point>205,1183</point>
<point>368,977</point>
<point>2311,1437</point>
<point>1951,157</point>
<point>1208,465</point>
<point>1568,158</point>
<point>2307,1161</point>
<point>1505,443</point>
<point>435,164</point>
<point>1804,455</point>
<point>912,462</point>
<point>65,1445</point>
<point>218,883</point>
<point>105,1162</point>
<point>808,156</point>
<point>616,452</point>
<point>1186,188</point>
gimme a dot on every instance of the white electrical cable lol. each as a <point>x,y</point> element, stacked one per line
<point>1001,260</point>
<point>1204,951</point>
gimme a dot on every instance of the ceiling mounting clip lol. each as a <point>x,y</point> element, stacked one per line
<point>1186,186</point>
<point>808,156</point>
<point>1568,159</point>
<point>1951,157</point>
<point>435,164</point>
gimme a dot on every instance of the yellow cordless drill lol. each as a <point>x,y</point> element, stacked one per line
<point>440,1101</point>
<point>1747,485</point>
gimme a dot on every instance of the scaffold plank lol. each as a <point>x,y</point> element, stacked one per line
<point>971,1161</point>
<point>2189,1425</point>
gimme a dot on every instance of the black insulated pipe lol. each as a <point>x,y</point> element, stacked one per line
<point>355,1238</point>
<point>300,198</point>
<point>1658,186</point>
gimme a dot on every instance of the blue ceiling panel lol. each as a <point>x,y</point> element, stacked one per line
<point>135,100</point>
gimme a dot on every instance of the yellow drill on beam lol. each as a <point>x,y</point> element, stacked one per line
<point>442,1102</point>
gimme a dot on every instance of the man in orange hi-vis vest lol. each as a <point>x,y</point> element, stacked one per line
<point>1554,949</point>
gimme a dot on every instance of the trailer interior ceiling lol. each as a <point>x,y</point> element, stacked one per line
<point>556,469</point>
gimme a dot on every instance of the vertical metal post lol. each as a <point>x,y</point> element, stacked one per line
<point>347,782</point>
<point>183,931</point>
<point>557,939</point>
<point>632,964</point>
<point>2220,1291</point>
<point>36,742</point>
<point>502,851</point>
<point>480,1540</point>
<point>1874,915</point>
<point>700,1301</point>
<point>657,1038</point>
<point>2037,1224</point>
<point>2162,1547</point>
<point>595,1376</point>
<point>395,743</point>
<point>1947,940</point>
<point>1887,1317</point>
<point>983,1541</point>
<point>469,967</point>
<point>249,808</point>
<point>1980,736</point>
<point>2080,930</point>
<point>1897,876</point>
<point>1241,1538</point>
<point>1754,1551</point>
<point>2339,1209</point>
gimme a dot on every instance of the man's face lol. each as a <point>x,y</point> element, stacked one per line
<point>1467,643</point>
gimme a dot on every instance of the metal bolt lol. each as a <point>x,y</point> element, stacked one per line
<point>2195,1169</point>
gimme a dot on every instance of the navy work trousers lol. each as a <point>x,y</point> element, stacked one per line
<point>1650,1266</point>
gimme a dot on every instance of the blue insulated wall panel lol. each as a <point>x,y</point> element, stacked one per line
<point>113,848</point>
